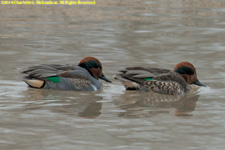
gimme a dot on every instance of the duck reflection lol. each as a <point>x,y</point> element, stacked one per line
<point>82,104</point>
<point>145,104</point>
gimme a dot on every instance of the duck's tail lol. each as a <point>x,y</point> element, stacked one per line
<point>128,84</point>
<point>35,83</point>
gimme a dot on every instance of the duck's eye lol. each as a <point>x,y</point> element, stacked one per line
<point>99,68</point>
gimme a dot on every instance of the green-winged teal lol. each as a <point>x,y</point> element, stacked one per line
<point>160,80</point>
<point>83,77</point>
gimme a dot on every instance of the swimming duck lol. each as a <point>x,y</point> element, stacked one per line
<point>160,80</point>
<point>83,77</point>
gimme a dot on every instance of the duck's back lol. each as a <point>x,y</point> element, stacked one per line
<point>133,78</point>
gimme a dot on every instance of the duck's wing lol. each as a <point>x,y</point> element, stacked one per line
<point>139,74</point>
<point>47,70</point>
<point>133,78</point>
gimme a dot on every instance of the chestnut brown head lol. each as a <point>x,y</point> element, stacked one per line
<point>188,72</point>
<point>94,67</point>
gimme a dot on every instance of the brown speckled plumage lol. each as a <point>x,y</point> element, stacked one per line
<point>170,83</point>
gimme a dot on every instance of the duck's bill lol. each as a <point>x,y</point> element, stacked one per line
<point>104,78</point>
<point>199,83</point>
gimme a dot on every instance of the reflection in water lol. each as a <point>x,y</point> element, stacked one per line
<point>92,110</point>
<point>84,105</point>
<point>140,104</point>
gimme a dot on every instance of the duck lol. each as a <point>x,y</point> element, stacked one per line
<point>81,77</point>
<point>159,80</point>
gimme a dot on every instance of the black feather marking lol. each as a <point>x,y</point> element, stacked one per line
<point>90,64</point>
<point>185,70</point>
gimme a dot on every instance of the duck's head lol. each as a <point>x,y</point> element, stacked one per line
<point>94,67</point>
<point>188,72</point>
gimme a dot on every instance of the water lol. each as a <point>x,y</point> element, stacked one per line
<point>119,33</point>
